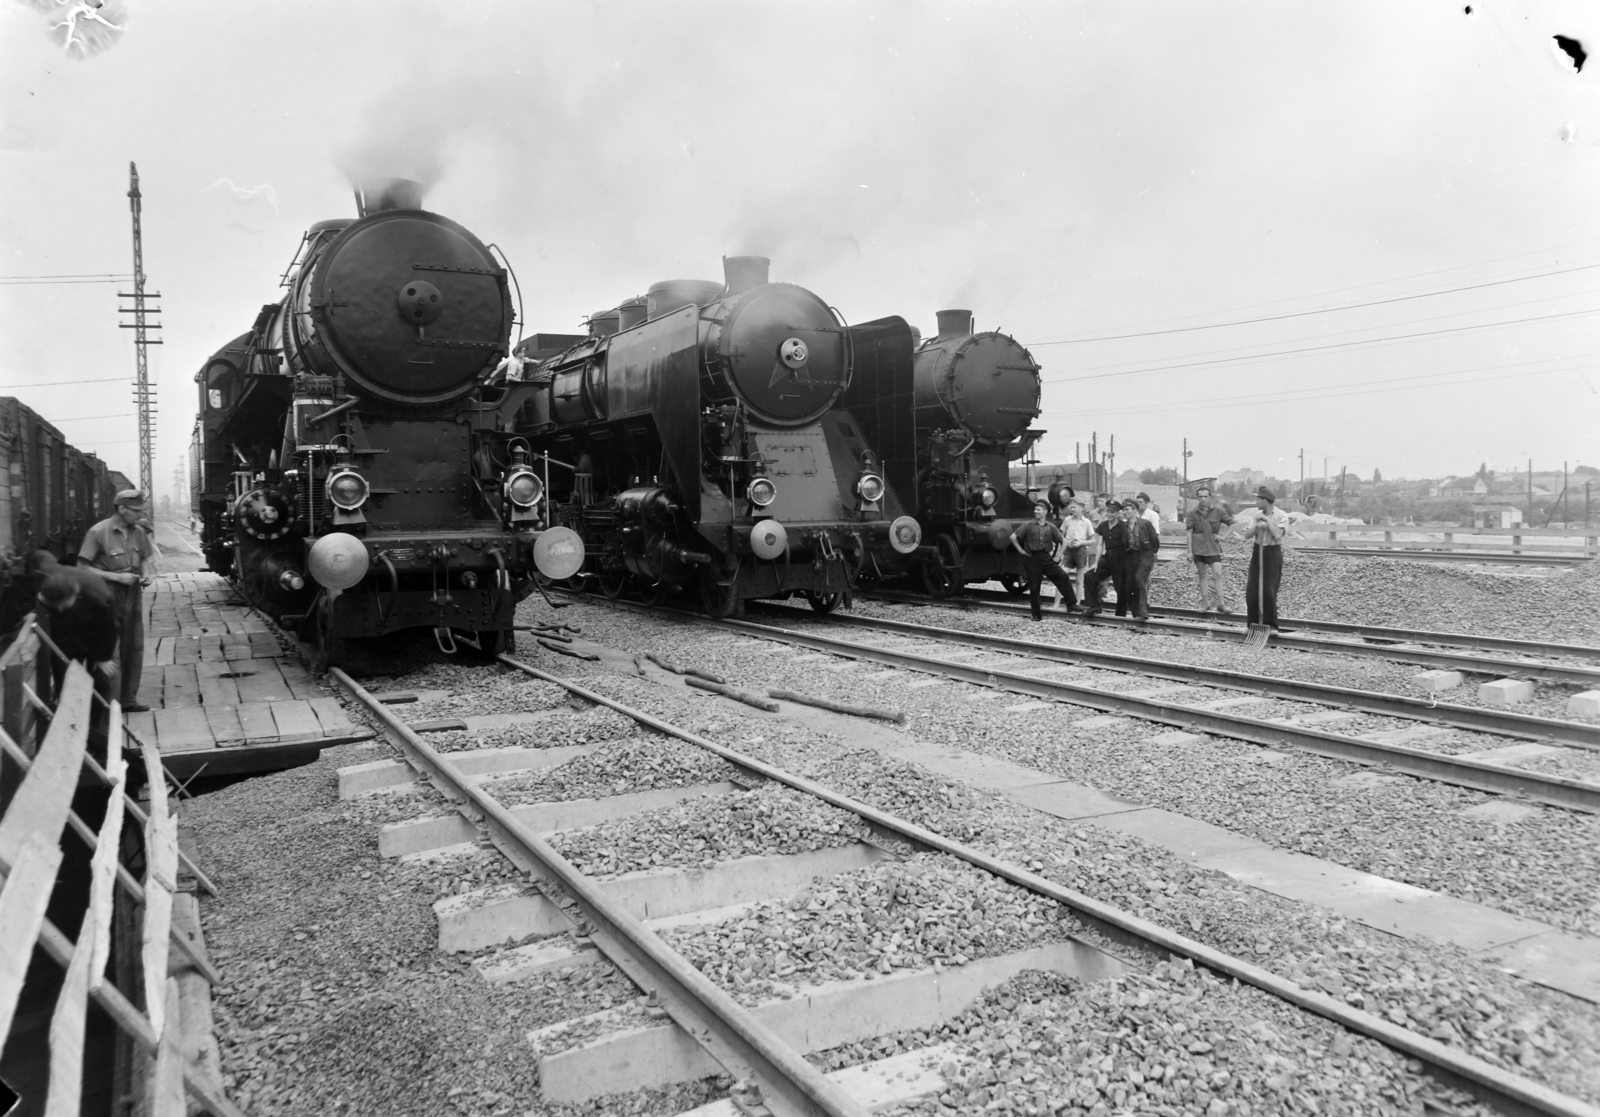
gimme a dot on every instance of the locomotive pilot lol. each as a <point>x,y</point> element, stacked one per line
<point>122,552</point>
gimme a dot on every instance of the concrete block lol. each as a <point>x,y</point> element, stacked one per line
<point>1436,681</point>
<point>1362,781</point>
<point>1100,721</point>
<point>1585,705</point>
<point>897,1080</point>
<point>1502,810</point>
<point>381,775</point>
<point>1506,692</point>
<point>421,834</point>
<point>1406,735</point>
<point>1024,707</point>
<point>1510,754</point>
<point>1176,737</point>
<point>822,1017</point>
<point>500,913</point>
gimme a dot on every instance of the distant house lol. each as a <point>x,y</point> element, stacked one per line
<point>1492,513</point>
<point>1246,477</point>
<point>1470,485</point>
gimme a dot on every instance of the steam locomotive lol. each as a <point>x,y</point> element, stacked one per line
<point>356,475</point>
<point>950,415</point>
<point>694,439</point>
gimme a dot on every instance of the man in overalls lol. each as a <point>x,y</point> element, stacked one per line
<point>121,552</point>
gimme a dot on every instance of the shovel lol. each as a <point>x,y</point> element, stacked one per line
<point>1256,638</point>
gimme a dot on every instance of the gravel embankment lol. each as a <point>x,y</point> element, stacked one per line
<point>1437,989</point>
<point>641,763</point>
<point>928,911</point>
<point>1170,1041</point>
<point>1528,603</point>
<point>1546,866</point>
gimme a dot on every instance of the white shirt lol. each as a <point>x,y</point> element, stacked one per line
<point>1077,530</point>
<point>1153,516</point>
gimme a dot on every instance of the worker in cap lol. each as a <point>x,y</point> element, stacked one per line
<point>122,552</point>
<point>1266,560</point>
<point>1113,533</point>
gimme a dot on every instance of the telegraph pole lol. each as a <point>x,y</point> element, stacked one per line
<point>143,395</point>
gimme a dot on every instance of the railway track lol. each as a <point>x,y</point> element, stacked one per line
<point>1461,771</point>
<point>1453,556</point>
<point>774,1077</point>
<point>1394,645</point>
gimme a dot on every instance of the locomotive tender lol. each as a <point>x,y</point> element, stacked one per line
<point>695,441</point>
<point>356,476</point>
<point>950,415</point>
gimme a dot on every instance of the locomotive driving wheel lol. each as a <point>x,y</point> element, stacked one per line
<point>1013,584</point>
<point>716,599</point>
<point>649,592</point>
<point>824,602</point>
<point>329,649</point>
<point>499,641</point>
<point>611,584</point>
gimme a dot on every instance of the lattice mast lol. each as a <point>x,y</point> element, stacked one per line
<point>142,311</point>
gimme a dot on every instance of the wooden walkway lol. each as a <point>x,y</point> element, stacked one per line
<point>226,692</point>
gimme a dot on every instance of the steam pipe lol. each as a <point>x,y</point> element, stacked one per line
<point>333,412</point>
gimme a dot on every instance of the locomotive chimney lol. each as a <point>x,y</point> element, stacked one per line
<point>954,323</point>
<point>742,273</point>
<point>381,194</point>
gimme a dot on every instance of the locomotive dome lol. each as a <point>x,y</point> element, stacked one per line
<point>410,306</point>
<point>779,347</point>
<point>988,383</point>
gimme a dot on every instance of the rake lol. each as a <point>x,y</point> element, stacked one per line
<point>1256,638</point>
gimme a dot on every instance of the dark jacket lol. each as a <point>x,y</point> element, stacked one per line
<point>1142,536</point>
<point>88,631</point>
<point>1115,533</point>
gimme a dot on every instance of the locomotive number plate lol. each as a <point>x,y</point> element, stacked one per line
<point>792,461</point>
<point>402,554</point>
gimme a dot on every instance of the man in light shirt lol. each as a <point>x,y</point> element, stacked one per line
<point>1266,561</point>
<point>1204,523</point>
<point>1147,511</point>
<point>1079,534</point>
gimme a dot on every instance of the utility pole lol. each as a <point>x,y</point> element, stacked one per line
<point>1302,477</point>
<point>1186,463</point>
<point>1111,454</point>
<point>1530,492</point>
<point>143,396</point>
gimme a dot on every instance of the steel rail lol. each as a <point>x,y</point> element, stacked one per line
<point>747,1048</point>
<point>1568,559</point>
<point>1477,718</point>
<point>1454,661</point>
<point>1546,648</point>
<point>1511,1093</point>
<point>1480,775</point>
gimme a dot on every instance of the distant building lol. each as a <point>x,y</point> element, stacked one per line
<point>1247,477</point>
<point>1493,513</point>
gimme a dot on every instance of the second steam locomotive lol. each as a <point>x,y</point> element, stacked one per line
<point>356,476</point>
<point>694,439</point>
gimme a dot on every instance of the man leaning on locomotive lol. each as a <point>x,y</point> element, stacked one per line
<point>119,548</point>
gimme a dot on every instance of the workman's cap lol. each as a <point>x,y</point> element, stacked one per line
<point>131,498</point>
<point>1264,493</point>
<point>1144,497</point>
<point>1114,505</point>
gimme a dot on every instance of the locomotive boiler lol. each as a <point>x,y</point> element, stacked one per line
<point>951,414</point>
<point>357,477</point>
<point>694,439</point>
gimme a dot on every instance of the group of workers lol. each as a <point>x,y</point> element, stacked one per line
<point>1117,541</point>
<point>96,608</point>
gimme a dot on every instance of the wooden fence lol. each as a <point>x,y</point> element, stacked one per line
<point>37,791</point>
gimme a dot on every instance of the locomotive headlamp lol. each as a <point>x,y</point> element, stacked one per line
<point>761,492</point>
<point>337,561</point>
<point>793,352</point>
<point>347,489</point>
<point>905,535</point>
<point>988,496</point>
<point>524,489</point>
<point>869,487</point>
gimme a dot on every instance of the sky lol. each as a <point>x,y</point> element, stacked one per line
<point>1368,231</point>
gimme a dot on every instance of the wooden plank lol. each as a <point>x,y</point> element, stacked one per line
<point>86,971</point>
<point>183,729</point>
<point>224,722</point>
<point>142,724</point>
<point>29,882</point>
<point>166,1080</point>
<point>295,719</point>
<point>160,881</point>
<point>165,650</point>
<point>180,686</point>
<point>263,683</point>
<point>334,719</point>
<point>42,802</point>
<point>186,649</point>
<point>257,722</point>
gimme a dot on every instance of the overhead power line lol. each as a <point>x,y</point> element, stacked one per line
<point>87,277</point>
<point>86,418</point>
<point>1320,348</point>
<point>54,383</point>
<point>1318,310</point>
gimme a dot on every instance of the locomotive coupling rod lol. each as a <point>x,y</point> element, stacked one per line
<point>333,412</point>
<point>728,1031</point>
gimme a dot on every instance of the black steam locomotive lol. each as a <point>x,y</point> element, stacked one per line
<point>356,476</point>
<point>694,440</point>
<point>950,415</point>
